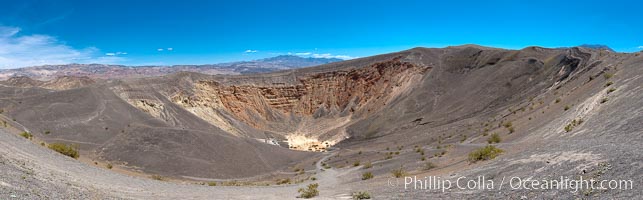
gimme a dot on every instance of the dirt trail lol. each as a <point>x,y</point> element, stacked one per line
<point>29,171</point>
<point>14,123</point>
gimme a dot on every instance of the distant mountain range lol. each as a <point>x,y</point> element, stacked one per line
<point>598,46</point>
<point>101,71</point>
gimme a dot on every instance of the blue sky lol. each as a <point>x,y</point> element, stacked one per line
<point>200,32</point>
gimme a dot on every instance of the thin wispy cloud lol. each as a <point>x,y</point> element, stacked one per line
<point>303,54</point>
<point>251,51</point>
<point>321,55</point>
<point>328,55</point>
<point>160,49</point>
<point>640,47</point>
<point>18,50</point>
<point>170,49</point>
<point>54,19</point>
<point>116,53</point>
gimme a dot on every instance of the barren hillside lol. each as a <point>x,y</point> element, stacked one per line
<point>569,111</point>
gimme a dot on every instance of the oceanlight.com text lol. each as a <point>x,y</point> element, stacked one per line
<point>513,183</point>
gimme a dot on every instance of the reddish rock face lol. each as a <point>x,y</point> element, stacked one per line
<point>323,94</point>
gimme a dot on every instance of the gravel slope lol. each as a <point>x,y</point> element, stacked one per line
<point>29,171</point>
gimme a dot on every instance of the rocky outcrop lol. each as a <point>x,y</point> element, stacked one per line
<point>141,100</point>
<point>336,93</point>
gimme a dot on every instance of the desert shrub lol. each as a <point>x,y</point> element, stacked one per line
<point>47,132</point>
<point>233,183</point>
<point>566,108</point>
<point>109,166</point>
<point>608,84</point>
<point>42,144</point>
<point>439,154</point>
<point>327,166</point>
<point>611,90</point>
<point>397,173</point>
<point>299,170</point>
<point>157,177</point>
<point>26,135</point>
<point>356,163</point>
<point>361,195</point>
<point>212,183</point>
<point>557,100</point>
<point>429,166</point>
<point>283,181</point>
<point>494,138</point>
<point>367,165</point>
<point>313,178</point>
<point>309,192</point>
<point>485,153</point>
<point>511,130</point>
<point>64,149</point>
<point>607,75</point>
<point>573,124</point>
<point>507,125</point>
<point>604,100</point>
<point>367,175</point>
